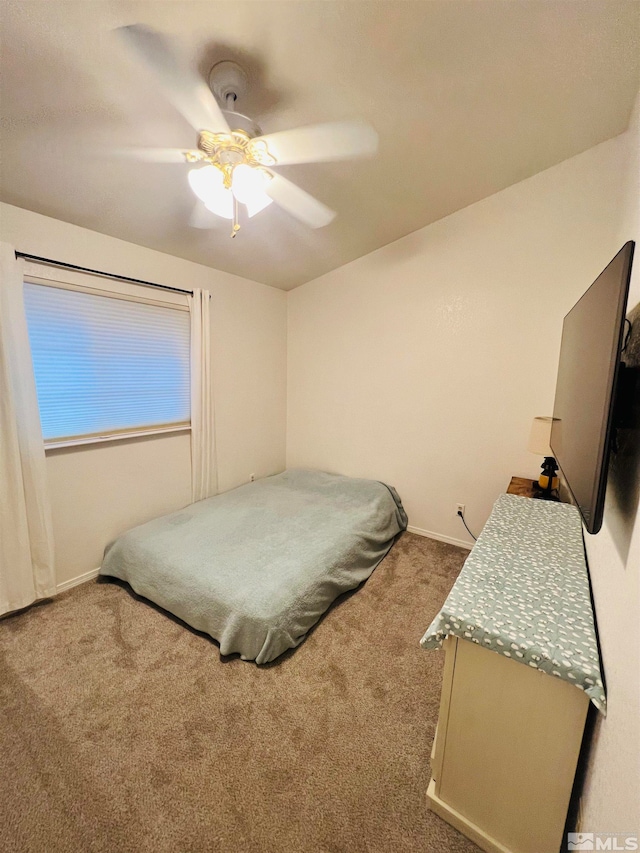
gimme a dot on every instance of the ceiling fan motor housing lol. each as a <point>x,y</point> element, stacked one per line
<point>229,83</point>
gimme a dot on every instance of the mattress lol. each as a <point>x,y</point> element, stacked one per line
<point>256,567</point>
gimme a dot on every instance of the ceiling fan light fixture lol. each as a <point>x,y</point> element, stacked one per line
<point>248,186</point>
<point>247,182</point>
<point>204,181</point>
<point>222,204</point>
<point>207,182</point>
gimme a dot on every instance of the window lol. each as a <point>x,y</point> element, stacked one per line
<point>107,364</point>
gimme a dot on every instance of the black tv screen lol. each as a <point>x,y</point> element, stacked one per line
<point>588,370</point>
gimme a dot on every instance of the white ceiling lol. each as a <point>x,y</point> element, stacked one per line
<point>467,97</point>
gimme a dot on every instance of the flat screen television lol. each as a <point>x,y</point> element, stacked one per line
<point>589,375</point>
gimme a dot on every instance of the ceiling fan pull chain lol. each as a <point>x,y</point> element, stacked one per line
<point>236,224</point>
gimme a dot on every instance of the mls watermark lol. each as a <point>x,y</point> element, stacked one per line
<point>602,841</point>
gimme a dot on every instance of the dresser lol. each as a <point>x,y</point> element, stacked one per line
<point>521,667</point>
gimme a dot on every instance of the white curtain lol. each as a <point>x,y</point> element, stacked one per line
<point>203,468</point>
<point>26,539</point>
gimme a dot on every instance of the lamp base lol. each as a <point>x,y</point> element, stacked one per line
<point>547,486</point>
<point>544,494</point>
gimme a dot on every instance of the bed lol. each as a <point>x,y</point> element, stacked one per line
<point>256,567</point>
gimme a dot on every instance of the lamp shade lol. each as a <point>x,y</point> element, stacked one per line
<point>540,437</point>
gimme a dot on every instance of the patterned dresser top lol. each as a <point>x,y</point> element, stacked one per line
<point>524,593</point>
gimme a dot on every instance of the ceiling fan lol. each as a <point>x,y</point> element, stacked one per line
<point>233,163</point>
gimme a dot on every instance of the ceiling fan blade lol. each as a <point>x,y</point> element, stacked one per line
<point>299,203</point>
<point>181,86</point>
<point>154,155</point>
<point>339,140</point>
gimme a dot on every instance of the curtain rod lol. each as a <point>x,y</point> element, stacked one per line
<point>99,272</point>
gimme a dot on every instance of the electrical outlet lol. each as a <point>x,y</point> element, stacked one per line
<point>252,477</point>
<point>459,509</point>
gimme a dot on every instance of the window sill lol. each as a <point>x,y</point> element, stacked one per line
<point>80,441</point>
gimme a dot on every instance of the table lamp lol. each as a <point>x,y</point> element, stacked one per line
<point>539,444</point>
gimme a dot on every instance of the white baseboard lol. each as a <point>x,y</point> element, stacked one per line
<point>87,576</point>
<point>439,536</point>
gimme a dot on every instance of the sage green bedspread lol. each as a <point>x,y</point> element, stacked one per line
<point>256,567</point>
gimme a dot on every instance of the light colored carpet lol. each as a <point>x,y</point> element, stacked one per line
<point>123,730</point>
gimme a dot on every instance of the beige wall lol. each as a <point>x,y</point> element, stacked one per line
<point>423,363</point>
<point>99,491</point>
<point>611,799</point>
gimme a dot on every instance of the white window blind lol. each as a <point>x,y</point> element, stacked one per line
<point>106,365</point>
